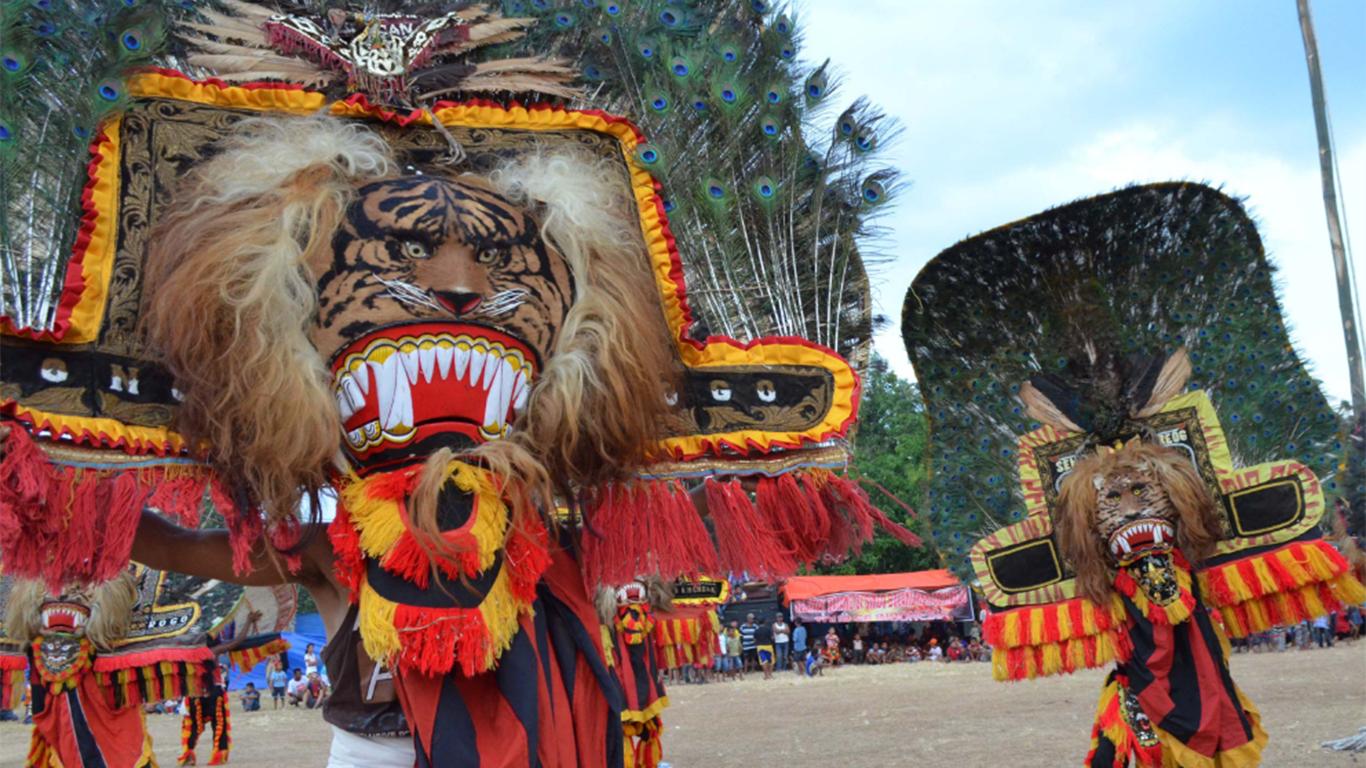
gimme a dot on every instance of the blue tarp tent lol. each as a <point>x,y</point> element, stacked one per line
<point>308,628</point>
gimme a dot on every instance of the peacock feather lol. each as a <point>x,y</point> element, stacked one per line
<point>773,192</point>
<point>1140,272</point>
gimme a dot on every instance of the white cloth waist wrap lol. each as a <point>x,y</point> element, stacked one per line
<point>350,750</point>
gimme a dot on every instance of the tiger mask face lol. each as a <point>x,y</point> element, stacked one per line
<point>437,304</point>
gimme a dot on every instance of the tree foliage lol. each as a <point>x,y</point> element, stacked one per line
<point>890,451</point>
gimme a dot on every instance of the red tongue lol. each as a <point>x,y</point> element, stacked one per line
<point>61,620</point>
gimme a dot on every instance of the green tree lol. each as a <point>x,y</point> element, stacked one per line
<point>889,451</point>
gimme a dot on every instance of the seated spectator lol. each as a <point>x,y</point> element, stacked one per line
<point>936,653</point>
<point>974,650</point>
<point>955,651</point>
<point>913,653</point>
<point>315,691</point>
<point>251,698</point>
<point>297,689</point>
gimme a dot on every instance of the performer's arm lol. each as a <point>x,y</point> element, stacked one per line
<point>163,545</point>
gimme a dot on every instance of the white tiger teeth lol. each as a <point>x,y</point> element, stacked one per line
<point>385,373</point>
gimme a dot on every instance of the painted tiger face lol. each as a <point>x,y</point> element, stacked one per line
<point>438,307</point>
<point>1134,515</point>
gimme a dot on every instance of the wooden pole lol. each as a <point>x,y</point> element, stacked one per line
<point>1330,204</point>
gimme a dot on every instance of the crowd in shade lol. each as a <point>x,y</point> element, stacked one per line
<point>765,647</point>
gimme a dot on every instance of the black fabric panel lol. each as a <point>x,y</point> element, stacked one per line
<point>1104,756</point>
<point>1184,686</point>
<point>1025,566</point>
<point>1278,504</point>
<point>444,592</point>
<point>453,739</point>
<point>85,740</point>
<point>518,675</point>
<point>565,625</point>
<point>543,649</point>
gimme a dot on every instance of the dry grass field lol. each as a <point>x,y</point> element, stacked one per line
<point>905,715</point>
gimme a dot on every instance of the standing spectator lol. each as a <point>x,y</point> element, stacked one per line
<point>310,660</point>
<point>1323,632</point>
<point>798,642</point>
<point>782,640</point>
<point>276,679</point>
<point>748,645</point>
<point>763,648</point>
<point>297,688</point>
<point>734,646</point>
<point>251,698</point>
<point>858,648</point>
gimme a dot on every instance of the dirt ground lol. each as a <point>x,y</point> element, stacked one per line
<point>905,715</point>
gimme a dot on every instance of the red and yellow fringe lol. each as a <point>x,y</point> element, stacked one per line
<point>155,675</point>
<point>1292,583</point>
<point>685,641</point>
<point>245,658</point>
<point>1059,638</point>
<point>372,521</point>
<point>12,667</point>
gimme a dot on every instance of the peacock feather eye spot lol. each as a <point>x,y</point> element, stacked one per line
<point>728,95</point>
<point>131,41</point>
<point>11,63</point>
<point>540,4</point>
<point>668,206</point>
<point>729,56</point>
<point>668,18</point>
<point>612,9</point>
<point>699,105</point>
<point>846,128</point>
<point>787,52</point>
<point>564,20</point>
<point>590,3</point>
<point>81,132</point>
<point>659,104</point>
<point>680,69</point>
<point>716,191</point>
<point>45,29</point>
<point>759,6</point>
<point>649,156</point>
<point>108,92</point>
<point>647,52</point>
<point>5,134</point>
<point>774,97</point>
<point>605,38</point>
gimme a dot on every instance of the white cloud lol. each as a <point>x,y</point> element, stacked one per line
<point>1012,108</point>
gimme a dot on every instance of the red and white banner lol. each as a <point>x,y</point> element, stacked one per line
<point>895,605</point>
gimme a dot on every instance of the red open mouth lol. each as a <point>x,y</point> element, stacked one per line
<point>61,616</point>
<point>1140,537</point>
<point>399,385</point>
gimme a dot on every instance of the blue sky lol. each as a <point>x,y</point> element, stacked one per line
<point>1008,108</point>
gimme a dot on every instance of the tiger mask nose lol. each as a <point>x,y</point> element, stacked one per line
<point>459,302</point>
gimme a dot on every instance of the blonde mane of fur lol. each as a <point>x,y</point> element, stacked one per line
<point>111,602</point>
<point>1074,517</point>
<point>230,305</point>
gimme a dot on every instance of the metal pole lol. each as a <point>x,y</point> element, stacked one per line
<point>1330,205</point>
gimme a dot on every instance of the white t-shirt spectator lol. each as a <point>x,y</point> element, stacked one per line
<point>780,632</point>
<point>297,687</point>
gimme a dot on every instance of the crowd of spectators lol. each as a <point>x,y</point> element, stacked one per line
<point>778,645</point>
<point>1322,632</point>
